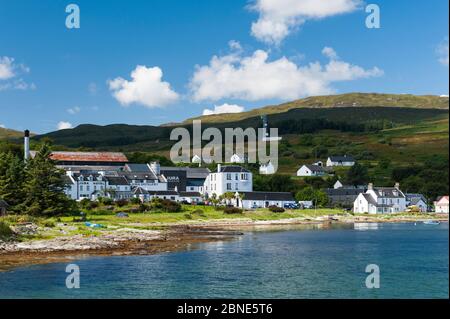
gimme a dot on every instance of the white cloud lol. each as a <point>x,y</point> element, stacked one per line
<point>64,125</point>
<point>442,51</point>
<point>6,68</point>
<point>224,108</point>
<point>278,18</point>
<point>255,78</point>
<point>9,72</point>
<point>330,53</point>
<point>146,88</point>
<point>74,110</point>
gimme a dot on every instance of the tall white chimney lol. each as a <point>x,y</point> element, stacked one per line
<point>26,145</point>
<point>219,168</point>
<point>156,168</point>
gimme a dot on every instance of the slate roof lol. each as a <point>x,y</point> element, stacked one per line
<point>117,180</point>
<point>315,168</point>
<point>370,199</point>
<point>388,192</point>
<point>138,176</point>
<point>137,168</point>
<point>67,180</point>
<point>196,172</point>
<point>190,194</point>
<point>268,196</point>
<point>344,191</point>
<point>163,193</point>
<point>232,169</point>
<point>345,158</point>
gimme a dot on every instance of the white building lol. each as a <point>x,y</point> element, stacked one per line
<point>441,206</point>
<point>253,200</point>
<point>267,169</point>
<point>311,170</point>
<point>338,185</point>
<point>380,200</point>
<point>228,179</point>
<point>341,161</point>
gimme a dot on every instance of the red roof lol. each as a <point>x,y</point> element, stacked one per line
<point>89,157</point>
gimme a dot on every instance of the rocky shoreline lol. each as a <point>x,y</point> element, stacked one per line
<point>173,237</point>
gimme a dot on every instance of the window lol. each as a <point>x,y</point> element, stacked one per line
<point>236,177</point>
<point>237,186</point>
<point>244,177</point>
<point>229,186</point>
<point>81,188</point>
<point>228,177</point>
<point>87,188</point>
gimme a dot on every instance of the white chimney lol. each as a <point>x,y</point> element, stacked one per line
<point>370,187</point>
<point>397,185</point>
<point>218,168</point>
<point>26,145</point>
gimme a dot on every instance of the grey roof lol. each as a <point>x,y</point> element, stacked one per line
<point>415,197</point>
<point>117,180</point>
<point>190,194</point>
<point>345,158</point>
<point>137,168</point>
<point>268,196</point>
<point>86,175</point>
<point>344,191</point>
<point>67,180</point>
<point>140,191</point>
<point>162,193</point>
<point>415,200</point>
<point>388,192</point>
<point>370,199</point>
<point>232,169</point>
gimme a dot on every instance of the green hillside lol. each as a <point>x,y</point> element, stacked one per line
<point>9,134</point>
<point>335,101</point>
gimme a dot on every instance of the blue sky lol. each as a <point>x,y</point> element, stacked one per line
<point>51,75</point>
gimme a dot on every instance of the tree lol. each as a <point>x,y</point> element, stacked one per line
<point>357,175</point>
<point>11,179</point>
<point>308,193</point>
<point>44,186</point>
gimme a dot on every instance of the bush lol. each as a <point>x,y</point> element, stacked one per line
<point>5,231</point>
<point>187,216</point>
<point>143,208</point>
<point>121,202</point>
<point>199,212</point>
<point>276,209</point>
<point>84,203</point>
<point>106,201</point>
<point>92,205</point>
<point>135,201</point>
<point>232,210</point>
<point>170,206</point>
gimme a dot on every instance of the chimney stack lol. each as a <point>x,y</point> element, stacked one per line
<point>219,168</point>
<point>370,187</point>
<point>26,145</point>
<point>397,185</point>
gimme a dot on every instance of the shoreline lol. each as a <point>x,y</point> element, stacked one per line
<point>173,237</point>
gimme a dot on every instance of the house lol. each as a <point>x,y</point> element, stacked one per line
<point>417,200</point>
<point>252,200</point>
<point>228,179</point>
<point>237,159</point>
<point>191,197</point>
<point>337,185</point>
<point>343,196</point>
<point>3,207</point>
<point>380,200</point>
<point>267,169</point>
<point>441,205</point>
<point>311,170</point>
<point>185,178</point>
<point>340,161</point>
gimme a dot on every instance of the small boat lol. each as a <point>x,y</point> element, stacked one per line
<point>431,222</point>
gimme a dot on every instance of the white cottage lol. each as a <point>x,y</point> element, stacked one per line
<point>311,170</point>
<point>380,200</point>
<point>341,161</point>
<point>267,169</point>
<point>237,159</point>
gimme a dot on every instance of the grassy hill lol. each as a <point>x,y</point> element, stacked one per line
<point>335,101</point>
<point>9,134</point>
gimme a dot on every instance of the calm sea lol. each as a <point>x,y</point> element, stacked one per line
<point>294,262</point>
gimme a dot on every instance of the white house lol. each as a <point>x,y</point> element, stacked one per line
<point>237,159</point>
<point>338,185</point>
<point>441,206</point>
<point>311,170</point>
<point>253,200</point>
<point>340,161</point>
<point>380,200</point>
<point>267,169</point>
<point>417,200</point>
<point>228,179</point>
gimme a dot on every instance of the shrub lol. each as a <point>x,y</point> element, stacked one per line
<point>135,201</point>
<point>232,210</point>
<point>143,208</point>
<point>187,216</point>
<point>170,206</point>
<point>199,212</point>
<point>121,202</point>
<point>84,203</point>
<point>106,201</point>
<point>276,209</point>
<point>5,231</point>
<point>92,205</point>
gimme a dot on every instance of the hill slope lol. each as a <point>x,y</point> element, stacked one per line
<point>9,134</point>
<point>334,101</point>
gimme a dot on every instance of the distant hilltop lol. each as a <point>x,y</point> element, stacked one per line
<point>333,101</point>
